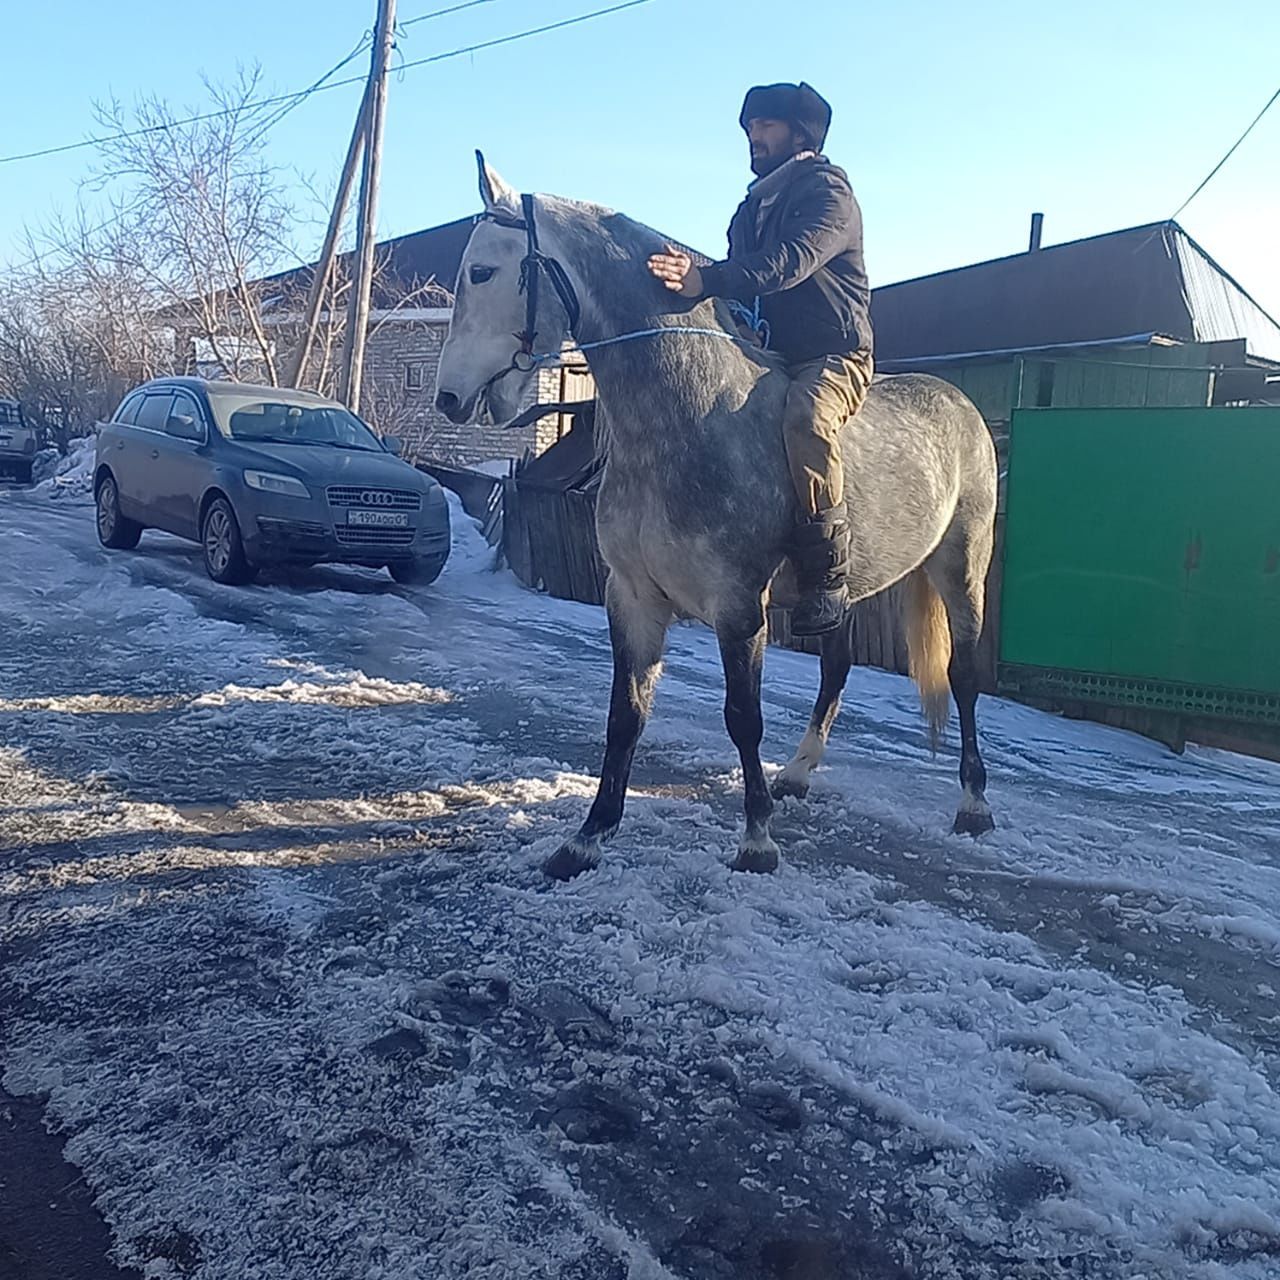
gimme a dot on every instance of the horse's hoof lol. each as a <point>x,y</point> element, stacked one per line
<point>973,822</point>
<point>571,859</point>
<point>759,855</point>
<point>789,787</point>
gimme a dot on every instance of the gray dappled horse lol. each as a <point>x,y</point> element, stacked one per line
<point>696,504</point>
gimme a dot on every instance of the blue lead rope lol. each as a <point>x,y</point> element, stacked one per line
<point>751,317</point>
<point>552,357</point>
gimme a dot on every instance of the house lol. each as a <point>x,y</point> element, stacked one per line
<point>1142,316</point>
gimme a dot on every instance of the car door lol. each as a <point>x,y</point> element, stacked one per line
<point>127,449</point>
<point>145,472</point>
<point>182,469</point>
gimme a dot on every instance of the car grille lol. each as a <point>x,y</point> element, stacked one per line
<point>367,496</point>
<point>270,527</point>
<point>357,536</point>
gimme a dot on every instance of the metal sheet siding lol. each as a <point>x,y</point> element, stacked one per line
<point>1143,547</point>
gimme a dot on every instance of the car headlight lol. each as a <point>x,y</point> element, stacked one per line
<point>271,482</point>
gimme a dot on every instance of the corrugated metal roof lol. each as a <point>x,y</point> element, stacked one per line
<point>1152,279</point>
<point>1219,307</point>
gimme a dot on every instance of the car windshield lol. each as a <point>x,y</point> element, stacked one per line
<point>253,418</point>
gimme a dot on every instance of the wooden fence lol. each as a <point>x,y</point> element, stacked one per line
<point>549,539</point>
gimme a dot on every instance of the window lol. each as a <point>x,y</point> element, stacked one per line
<point>1044,392</point>
<point>155,411</point>
<point>415,375</point>
<point>127,412</point>
<point>242,415</point>
<point>186,405</point>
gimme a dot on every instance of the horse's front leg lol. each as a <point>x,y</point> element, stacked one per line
<point>638,631</point>
<point>742,652</point>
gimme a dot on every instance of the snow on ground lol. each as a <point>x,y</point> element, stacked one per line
<point>285,969</point>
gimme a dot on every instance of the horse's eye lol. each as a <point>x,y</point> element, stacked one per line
<point>481,274</point>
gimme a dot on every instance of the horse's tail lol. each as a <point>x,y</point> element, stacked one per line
<point>928,651</point>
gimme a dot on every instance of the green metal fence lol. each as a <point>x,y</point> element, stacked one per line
<point>1115,377</point>
<point>1142,559</point>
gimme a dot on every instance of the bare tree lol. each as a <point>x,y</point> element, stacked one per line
<point>206,220</point>
<point>183,275</point>
<point>174,276</point>
<point>74,335</point>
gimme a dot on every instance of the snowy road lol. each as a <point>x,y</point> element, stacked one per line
<point>282,966</point>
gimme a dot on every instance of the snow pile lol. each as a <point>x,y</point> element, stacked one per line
<point>469,553</point>
<point>73,475</point>
<point>359,691</point>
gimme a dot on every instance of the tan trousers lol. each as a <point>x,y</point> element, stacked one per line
<point>824,395</point>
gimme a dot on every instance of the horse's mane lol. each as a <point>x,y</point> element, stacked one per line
<point>595,230</point>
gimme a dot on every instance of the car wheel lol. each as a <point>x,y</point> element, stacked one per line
<point>114,530</point>
<point>224,556</point>
<point>416,573</point>
<point>24,473</point>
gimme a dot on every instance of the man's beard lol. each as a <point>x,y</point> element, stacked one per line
<point>762,165</point>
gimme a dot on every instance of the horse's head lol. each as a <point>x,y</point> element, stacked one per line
<point>498,312</point>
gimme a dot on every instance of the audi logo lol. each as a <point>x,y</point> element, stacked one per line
<point>377,498</point>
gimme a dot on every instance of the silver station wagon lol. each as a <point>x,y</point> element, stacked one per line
<point>264,475</point>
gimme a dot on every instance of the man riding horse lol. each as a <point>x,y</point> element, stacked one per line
<point>795,259</point>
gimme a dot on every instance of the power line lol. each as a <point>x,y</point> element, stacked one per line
<point>440,13</point>
<point>266,126</point>
<point>335,84</point>
<point>315,86</point>
<point>521,35</point>
<point>1213,172</point>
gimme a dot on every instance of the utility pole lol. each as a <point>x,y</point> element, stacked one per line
<point>324,268</point>
<point>362,283</point>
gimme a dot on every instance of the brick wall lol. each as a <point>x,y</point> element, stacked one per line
<point>400,386</point>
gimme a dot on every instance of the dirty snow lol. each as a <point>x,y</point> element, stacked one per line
<point>68,476</point>
<point>285,969</point>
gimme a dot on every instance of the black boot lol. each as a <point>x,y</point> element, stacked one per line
<point>820,554</point>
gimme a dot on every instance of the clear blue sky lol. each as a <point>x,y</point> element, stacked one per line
<point>954,120</point>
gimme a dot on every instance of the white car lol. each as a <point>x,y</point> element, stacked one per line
<point>17,442</point>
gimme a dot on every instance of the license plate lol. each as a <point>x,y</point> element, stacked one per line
<point>4,439</point>
<point>379,519</point>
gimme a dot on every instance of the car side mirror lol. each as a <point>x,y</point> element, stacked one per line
<point>393,444</point>
<point>184,426</point>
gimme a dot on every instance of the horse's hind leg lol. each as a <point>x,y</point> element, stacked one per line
<point>638,631</point>
<point>958,571</point>
<point>836,660</point>
<point>742,652</point>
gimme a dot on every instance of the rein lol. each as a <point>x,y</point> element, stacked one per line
<point>532,266</point>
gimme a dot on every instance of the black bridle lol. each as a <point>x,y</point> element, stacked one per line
<point>532,267</point>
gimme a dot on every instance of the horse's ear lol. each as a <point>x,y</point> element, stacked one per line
<point>498,197</point>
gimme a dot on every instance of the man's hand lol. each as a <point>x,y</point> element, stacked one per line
<point>678,272</point>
